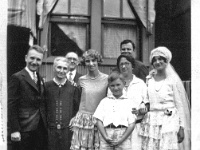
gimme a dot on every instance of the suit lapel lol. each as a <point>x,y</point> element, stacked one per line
<point>29,80</point>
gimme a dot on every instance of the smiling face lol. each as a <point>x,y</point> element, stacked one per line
<point>116,87</point>
<point>33,60</point>
<point>128,49</point>
<point>60,69</point>
<point>159,63</point>
<point>125,66</point>
<point>72,59</point>
<point>91,63</point>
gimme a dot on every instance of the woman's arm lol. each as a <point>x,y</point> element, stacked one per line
<point>179,105</point>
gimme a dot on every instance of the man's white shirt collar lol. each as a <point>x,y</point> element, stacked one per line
<point>30,72</point>
<point>73,74</point>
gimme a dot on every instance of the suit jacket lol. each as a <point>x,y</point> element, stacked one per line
<point>77,76</point>
<point>140,70</point>
<point>26,104</point>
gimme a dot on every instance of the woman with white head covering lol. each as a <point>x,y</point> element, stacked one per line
<point>167,125</point>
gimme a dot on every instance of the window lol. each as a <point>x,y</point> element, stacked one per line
<point>77,25</point>
<point>118,24</point>
<point>69,27</point>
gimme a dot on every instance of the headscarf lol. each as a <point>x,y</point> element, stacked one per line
<point>161,51</point>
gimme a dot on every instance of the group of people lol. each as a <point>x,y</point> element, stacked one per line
<point>129,109</point>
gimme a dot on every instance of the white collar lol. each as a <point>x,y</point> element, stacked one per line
<point>120,98</point>
<point>30,72</point>
<point>59,84</point>
<point>135,80</point>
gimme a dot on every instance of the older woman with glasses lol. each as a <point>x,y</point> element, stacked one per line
<point>136,90</point>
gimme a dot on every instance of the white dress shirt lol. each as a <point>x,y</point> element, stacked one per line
<point>73,74</point>
<point>30,73</point>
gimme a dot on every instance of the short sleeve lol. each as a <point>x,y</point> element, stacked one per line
<point>99,112</point>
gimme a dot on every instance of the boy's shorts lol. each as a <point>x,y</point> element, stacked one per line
<point>115,133</point>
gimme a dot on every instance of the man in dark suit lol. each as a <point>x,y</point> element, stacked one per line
<point>73,61</point>
<point>140,70</point>
<point>26,104</point>
<point>62,104</point>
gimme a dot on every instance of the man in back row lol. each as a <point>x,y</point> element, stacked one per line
<point>73,61</point>
<point>140,70</point>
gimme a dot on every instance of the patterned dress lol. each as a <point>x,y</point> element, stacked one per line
<point>161,124</point>
<point>85,135</point>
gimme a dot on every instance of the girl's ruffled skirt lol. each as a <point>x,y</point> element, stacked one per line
<point>85,133</point>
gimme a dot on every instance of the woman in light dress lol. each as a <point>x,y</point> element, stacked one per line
<point>136,90</point>
<point>94,88</point>
<point>168,121</point>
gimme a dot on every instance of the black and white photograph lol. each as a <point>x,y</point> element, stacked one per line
<point>99,75</point>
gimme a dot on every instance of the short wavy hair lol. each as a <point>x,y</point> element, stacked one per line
<point>91,53</point>
<point>36,48</point>
<point>129,57</point>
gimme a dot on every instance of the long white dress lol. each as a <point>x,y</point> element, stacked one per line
<point>159,130</point>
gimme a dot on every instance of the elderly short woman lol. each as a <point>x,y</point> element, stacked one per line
<point>164,126</point>
<point>94,87</point>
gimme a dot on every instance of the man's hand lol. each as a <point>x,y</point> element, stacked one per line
<point>16,136</point>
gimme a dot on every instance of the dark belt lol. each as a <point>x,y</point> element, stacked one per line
<point>138,121</point>
<point>113,126</point>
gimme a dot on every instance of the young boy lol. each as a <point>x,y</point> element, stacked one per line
<point>114,118</point>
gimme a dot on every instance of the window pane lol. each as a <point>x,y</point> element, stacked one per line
<point>127,12</point>
<point>79,7</point>
<point>61,7</point>
<point>111,8</point>
<point>113,35</point>
<point>68,37</point>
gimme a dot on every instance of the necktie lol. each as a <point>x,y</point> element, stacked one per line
<point>70,76</point>
<point>35,77</point>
